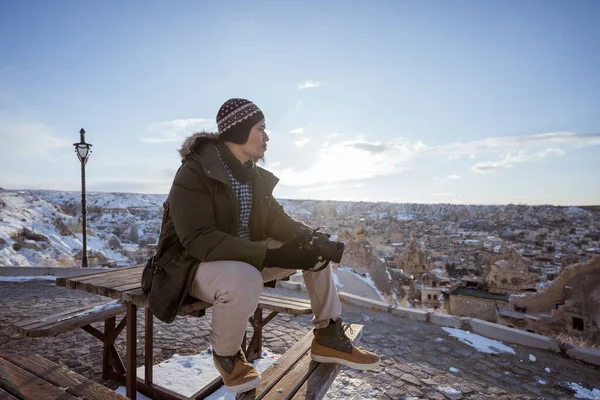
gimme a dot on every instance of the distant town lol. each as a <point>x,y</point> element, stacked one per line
<point>535,268</point>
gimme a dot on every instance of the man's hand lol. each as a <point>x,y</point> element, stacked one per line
<point>292,255</point>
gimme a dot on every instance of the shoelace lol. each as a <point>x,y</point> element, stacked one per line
<point>347,326</point>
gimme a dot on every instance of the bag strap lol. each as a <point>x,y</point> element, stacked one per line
<point>165,215</point>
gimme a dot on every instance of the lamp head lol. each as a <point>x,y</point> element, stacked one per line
<point>82,148</point>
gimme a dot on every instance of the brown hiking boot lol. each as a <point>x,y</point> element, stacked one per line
<point>331,345</point>
<point>238,375</point>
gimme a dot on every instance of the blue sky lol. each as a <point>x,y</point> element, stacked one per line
<point>410,101</point>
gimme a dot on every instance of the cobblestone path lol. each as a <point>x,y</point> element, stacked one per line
<point>419,360</point>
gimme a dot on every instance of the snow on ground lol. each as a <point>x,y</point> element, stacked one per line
<point>336,281</point>
<point>547,370</point>
<point>478,342</point>
<point>532,358</point>
<point>541,381</point>
<point>454,370</point>
<point>366,279</point>
<point>347,388</point>
<point>188,374</point>
<point>123,391</point>
<point>583,393</point>
<point>450,392</point>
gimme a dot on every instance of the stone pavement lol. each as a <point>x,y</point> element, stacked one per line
<point>419,360</point>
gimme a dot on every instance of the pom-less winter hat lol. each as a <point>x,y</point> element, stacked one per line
<point>235,119</point>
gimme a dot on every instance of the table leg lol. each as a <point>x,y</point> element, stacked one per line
<point>255,346</point>
<point>109,340</point>
<point>131,379</point>
<point>148,342</point>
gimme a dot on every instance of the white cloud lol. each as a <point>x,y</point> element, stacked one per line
<point>358,160</point>
<point>514,158</point>
<point>176,130</point>
<point>333,135</point>
<point>349,161</point>
<point>31,141</point>
<point>308,85</point>
<point>442,194</point>
<point>297,130</point>
<point>453,176</point>
<point>302,142</point>
<point>501,145</point>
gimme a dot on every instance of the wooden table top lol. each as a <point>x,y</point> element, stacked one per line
<point>123,284</point>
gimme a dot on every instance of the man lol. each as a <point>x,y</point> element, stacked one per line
<point>222,211</point>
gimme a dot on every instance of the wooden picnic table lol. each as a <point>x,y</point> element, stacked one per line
<point>124,284</point>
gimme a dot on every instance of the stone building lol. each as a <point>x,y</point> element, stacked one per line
<point>475,302</point>
<point>570,303</point>
<point>508,273</point>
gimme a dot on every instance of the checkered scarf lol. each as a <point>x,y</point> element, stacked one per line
<point>243,193</point>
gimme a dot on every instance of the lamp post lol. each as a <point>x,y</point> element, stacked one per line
<point>83,151</point>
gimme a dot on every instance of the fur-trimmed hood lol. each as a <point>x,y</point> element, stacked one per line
<point>192,142</point>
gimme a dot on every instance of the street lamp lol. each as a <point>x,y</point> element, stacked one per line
<point>83,151</point>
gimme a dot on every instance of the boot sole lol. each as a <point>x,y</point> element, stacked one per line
<point>350,364</point>
<point>244,387</point>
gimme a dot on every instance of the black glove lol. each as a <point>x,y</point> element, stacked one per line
<point>292,255</point>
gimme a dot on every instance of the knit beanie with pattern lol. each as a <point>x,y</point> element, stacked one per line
<point>235,119</point>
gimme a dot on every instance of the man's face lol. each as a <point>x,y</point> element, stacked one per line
<point>256,145</point>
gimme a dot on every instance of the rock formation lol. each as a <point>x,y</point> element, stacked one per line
<point>508,272</point>
<point>414,260</point>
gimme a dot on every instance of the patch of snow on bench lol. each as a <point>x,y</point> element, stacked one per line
<point>97,309</point>
<point>188,374</point>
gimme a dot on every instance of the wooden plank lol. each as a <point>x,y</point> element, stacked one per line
<point>62,377</point>
<point>24,385</point>
<point>131,352</point>
<point>288,309</point>
<point>6,396</point>
<point>137,297</point>
<point>287,300</point>
<point>55,317</point>
<point>117,292</point>
<point>109,282</point>
<point>55,325</point>
<point>285,363</point>
<point>67,320</point>
<point>66,281</point>
<point>140,299</point>
<point>282,304</point>
<point>149,346</point>
<point>270,293</point>
<point>319,381</point>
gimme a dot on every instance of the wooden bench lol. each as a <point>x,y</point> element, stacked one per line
<point>32,377</point>
<point>268,301</point>
<point>295,376</point>
<point>83,317</point>
<point>73,318</point>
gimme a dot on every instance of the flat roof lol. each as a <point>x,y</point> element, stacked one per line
<point>482,294</point>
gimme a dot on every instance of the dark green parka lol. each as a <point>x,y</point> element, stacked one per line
<point>203,217</point>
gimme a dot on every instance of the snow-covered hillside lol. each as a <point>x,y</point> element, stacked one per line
<point>43,228</point>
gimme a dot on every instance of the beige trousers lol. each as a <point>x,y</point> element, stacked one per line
<point>234,288</point>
